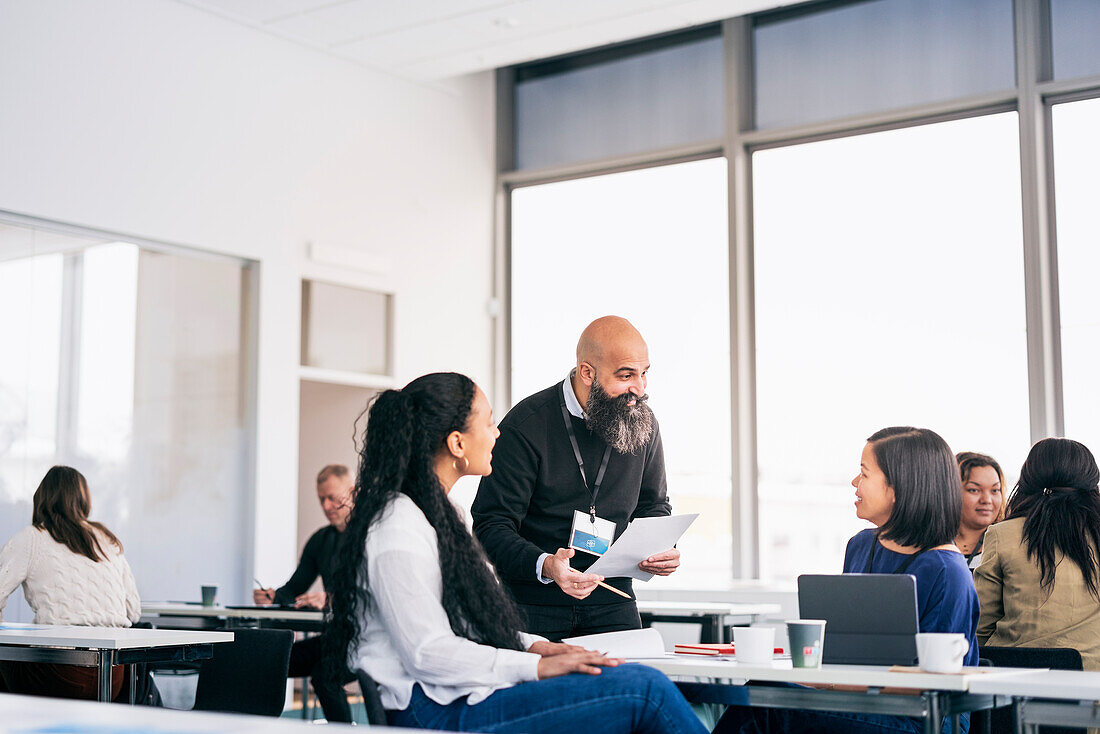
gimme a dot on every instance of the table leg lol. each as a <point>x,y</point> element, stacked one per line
<point>932,716</point>
<point>133,683</point>
<point>1018,706</point>
<point>106,657</point>
<point>715,632</point>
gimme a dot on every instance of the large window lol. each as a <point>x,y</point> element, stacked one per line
<point>847,59</point>
<point>1076,162</point>
<point>889,291</point>
<point>651,246</point>
<point>598,107</point>
<point>134,366</point>
<point>890,199</point>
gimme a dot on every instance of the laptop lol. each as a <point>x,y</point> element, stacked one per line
<point>870,618</point>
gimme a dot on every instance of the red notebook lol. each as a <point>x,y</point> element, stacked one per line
<point>711,648</point>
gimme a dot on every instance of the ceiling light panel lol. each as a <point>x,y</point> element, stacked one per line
<point>260,11</point>
<point>355,19</point>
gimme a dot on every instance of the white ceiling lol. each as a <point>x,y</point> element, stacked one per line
<point>436,39</point>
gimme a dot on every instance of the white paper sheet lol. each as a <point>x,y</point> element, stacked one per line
<point>641,539</point>
<point>635,644</point>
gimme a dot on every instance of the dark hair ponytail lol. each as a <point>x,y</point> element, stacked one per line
<point>405,431</point>
<point>1058,498</point>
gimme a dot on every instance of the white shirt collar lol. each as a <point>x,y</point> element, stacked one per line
<point>571,403</point>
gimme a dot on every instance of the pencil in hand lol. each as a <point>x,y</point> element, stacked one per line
<point>611,588</point>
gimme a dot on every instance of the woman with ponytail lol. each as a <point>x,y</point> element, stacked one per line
<point>417,606</point>
<point>1039,579</point>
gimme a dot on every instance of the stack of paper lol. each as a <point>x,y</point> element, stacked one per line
<point>633,644</point>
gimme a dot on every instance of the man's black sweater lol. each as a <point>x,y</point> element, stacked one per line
<point>319,558</point>
<point>525,507</point>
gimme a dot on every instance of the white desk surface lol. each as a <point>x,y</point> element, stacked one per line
<point>853,675</point>
<point>26,714</point>
<point>701,608</point>
<point>1068,685</point>
<point>168,609</point>
<point>103,638</point>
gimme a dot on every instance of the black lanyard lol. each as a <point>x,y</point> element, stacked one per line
<point>977,550</point>
<point>900,569</point>
<point>577,453</point>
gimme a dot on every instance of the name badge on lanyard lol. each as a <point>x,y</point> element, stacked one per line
<point>590,533</point>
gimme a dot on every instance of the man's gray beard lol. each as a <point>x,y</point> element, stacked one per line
<point>625,428</point>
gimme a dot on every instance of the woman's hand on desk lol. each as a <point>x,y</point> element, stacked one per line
<point>548,649</point>
<point>574,583</point>
<point>587,662</point>
<point>263,596</point>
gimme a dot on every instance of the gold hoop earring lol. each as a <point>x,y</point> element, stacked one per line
<point>465,464</point>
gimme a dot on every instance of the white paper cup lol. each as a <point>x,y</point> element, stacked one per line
<point>941,652</point>
<point>753,644</point>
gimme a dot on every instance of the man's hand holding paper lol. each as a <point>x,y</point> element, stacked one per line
<point>661,564</point>
<point>641,551</point>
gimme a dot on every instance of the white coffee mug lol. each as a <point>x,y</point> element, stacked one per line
<point>753,644</point>
<point>941,652</point>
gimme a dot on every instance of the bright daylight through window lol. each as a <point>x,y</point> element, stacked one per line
<point>889,291</point>
<point>1076,161</point>
<point>649,245</point>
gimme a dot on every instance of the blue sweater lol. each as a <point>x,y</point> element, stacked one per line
<point>946,600</point>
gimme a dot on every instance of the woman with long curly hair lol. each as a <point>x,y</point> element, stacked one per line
<point>417,606</point>
<point>1039,579</point>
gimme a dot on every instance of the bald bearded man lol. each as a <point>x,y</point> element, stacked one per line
<point>574,464</point>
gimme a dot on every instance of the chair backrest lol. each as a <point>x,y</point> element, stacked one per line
<point>371,700</point>
<point>1056,658</point>
<point>248,675</point>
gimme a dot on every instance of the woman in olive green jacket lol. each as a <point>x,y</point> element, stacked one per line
<point>1039,575</point>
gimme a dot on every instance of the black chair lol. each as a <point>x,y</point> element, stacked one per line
<point>1055,658</point>
<point>248,675</point>
<point>376,715</point>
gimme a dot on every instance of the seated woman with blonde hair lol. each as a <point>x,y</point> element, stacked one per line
<point>73,573</point>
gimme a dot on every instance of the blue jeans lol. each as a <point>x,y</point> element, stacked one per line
<point>629,699</point>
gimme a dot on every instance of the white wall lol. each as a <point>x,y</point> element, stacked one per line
<point>326,415</point>
<point>152,118</point>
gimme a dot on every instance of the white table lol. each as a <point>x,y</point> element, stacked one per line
<point>714,616</point>
<point>31,713</point>
<point>1072,697</point>
<point>938,695</point>
<point>102,647</point>
<point>273,614</point>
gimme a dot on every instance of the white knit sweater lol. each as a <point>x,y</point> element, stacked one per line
<point>63,587</point>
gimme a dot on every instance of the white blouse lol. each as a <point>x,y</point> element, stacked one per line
<point>63,587</point>
<point>405,637</point>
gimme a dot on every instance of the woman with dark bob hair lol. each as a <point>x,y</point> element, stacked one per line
<point>908,487</point>
<point>417,606</point>
<point>1039,579</point>
<point>73,573</point>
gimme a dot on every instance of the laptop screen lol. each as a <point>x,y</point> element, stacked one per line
<point>870,618</point>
